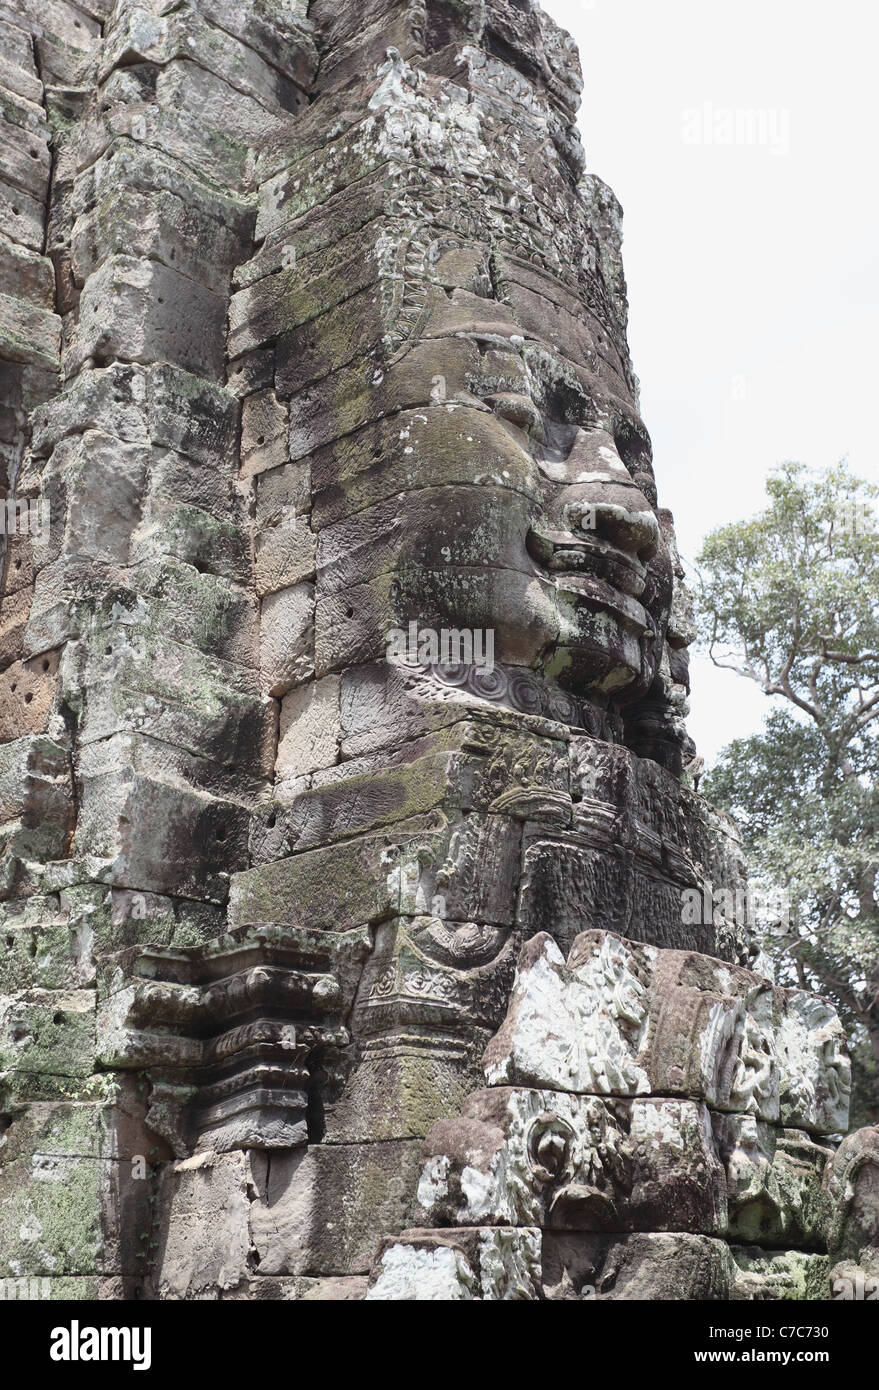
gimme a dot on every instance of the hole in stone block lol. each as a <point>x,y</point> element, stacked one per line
<point>315,1118</point>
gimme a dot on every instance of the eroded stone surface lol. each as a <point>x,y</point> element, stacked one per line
<point>499,1266</point>
<point>539,1158</point>
<point>851,1184</point>
<point>619,1019</point>
<point>638,1194</point>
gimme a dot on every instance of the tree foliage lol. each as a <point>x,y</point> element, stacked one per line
<point>790,601</point>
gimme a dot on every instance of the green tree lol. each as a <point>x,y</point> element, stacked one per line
<point>790,601</point>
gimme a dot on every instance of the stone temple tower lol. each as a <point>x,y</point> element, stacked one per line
<point>346,821</point>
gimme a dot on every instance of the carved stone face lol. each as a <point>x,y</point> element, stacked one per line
<point>558,550</point>
<point>596,538</point>
<point>819,1066</point>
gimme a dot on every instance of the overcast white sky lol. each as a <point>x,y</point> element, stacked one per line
<point>753,269</point>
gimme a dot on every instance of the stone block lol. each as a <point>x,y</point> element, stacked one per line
<point>411,450</point>
<point>22,217</point>
<point>35,783</point>
<point>94,486</point>
<point>851,1189</point>
<point>453,1266</point>
<point>327,1208</point>
<point>28,692</point>
<point>157,226</point>
<point>287,638</point>
<point>774,1183</point>
<point>365,391</point>
<point>68,1215</point>
<point>40,950</point>
<point>203,1207</point>
<point>206,610</point>
<point>814,1065</point>
<point>48,1032</point>
<point>310,731</point>
<point>140,35</point>
<point>156,836</point>
<point>126,166</point>
<point>669,1268</point>
<point>29,333</point>
<point>141,311</point>
<point>25,163</point>
<point>264,426</point>
<point>344,885</point>
<point>285,555</point>
<point>196,537</point>
<point>188,87</point>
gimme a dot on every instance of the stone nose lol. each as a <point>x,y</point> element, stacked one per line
<point>580,517</point>
<point>615,512</point>
<point>601,499</point>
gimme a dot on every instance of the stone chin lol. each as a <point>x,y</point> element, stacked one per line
<point>610,643</point>
<point>580,629</point>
